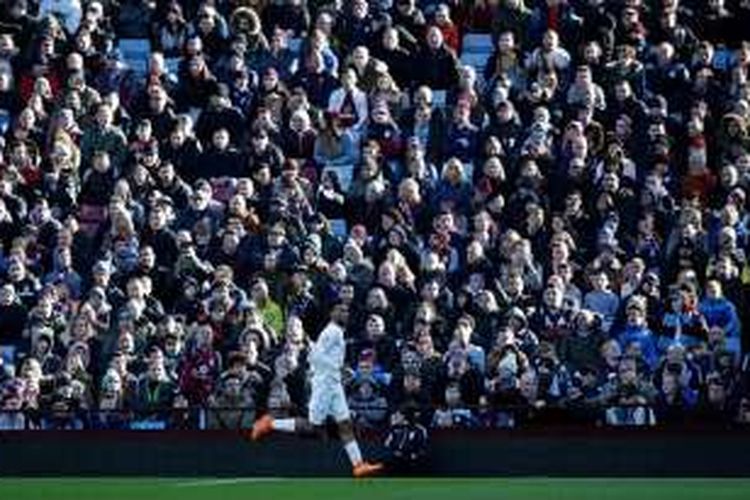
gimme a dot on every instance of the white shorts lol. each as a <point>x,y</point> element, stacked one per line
<point>327,399</point>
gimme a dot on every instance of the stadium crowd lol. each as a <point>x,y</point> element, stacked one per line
<point>530,207</point>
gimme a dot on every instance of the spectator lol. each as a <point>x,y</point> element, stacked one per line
<point>154,392</point>
<point>450,31</point>
<point>407,441</point>
<point>349,103</point>
<point>453,415</point>
<point>602,300</point>
<point>439,63</point>
<point>11,416</point>
<point>632,396</point>
<point>183,185</point>
<point>12,316</point>
<point>636,331</point>
<point>104,136</point>
<point>233,408</point>
<point>721,312</point>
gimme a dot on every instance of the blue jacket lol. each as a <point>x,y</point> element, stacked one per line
<point>645,338</point>
<point>605,303</point>
<point>721,312</point>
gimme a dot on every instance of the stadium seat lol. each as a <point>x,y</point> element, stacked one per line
<point>339,228</point>
<point>477,43</point>
<point>475,60</point>
<point>439,98</point>
<point>135,53</point>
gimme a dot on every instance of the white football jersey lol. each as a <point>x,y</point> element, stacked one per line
<point>327,354</point>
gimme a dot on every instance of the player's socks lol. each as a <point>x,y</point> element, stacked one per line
<point>283,424</point>
<point>352,449</point>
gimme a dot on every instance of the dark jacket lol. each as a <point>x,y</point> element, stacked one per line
<point>438,68</point>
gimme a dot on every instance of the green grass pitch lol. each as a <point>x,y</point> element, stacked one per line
<point>374,489</point>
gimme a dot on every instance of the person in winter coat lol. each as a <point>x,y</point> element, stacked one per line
<point>395,56</point>
<point>720,311</point>
<point>104,135</point>
<point>335,144</point>
<point>12,318</point>
<point>438,63</point>
<point>451,32</point>
<point>516,17</point>
<point>67,11</point>
<point>636,331</point>
<point>232,407</point>
<point>201,367</point>
<point>581,349</point>
<point>222,159</point>
<point>98,182</point>
<point>172,31</point>
<point>315,79</point>
<point>349,102</point>
<point>407,441</point>
<point>134,20</point>
<point>602,300</point>
<point>684,324</point>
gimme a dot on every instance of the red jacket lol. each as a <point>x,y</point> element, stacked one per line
<point>198,373</point>
<point>27,80</point>
<point>451,36</point>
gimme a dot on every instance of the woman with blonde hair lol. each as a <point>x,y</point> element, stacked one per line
<point>453,191</point>
<point>122,241</point>
<point>64,153</point>
<point>387,92</point>
<point>61,183</point>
